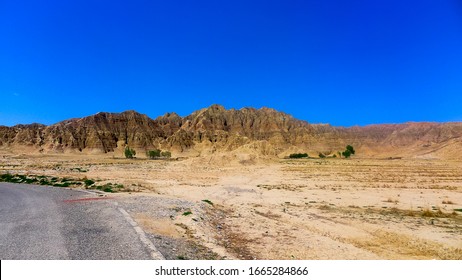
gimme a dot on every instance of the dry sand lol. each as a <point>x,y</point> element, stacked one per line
<point>280,208</point>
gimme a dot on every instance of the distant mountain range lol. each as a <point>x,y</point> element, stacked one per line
<point>264,132</point>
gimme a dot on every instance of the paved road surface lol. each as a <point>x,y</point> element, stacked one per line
<point>38,222</point>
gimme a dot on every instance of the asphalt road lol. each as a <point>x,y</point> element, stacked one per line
<point>38,222</point>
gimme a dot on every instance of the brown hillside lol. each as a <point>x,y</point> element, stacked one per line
<point>262,131</point>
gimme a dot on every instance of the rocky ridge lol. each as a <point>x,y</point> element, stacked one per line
<point>264,132</point>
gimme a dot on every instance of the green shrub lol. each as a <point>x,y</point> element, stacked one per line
<point>129,153</point>
<point>44,182</point>
<point>207,201</point>
<point>7,177</point>
<point>346,154</point>
<point>166,154</point>
<point>349,150</point>
<point>305,155</point>
<point>63,185</point>
<point>89,182</point>
<point>31,180</point>
<point>154,154</point>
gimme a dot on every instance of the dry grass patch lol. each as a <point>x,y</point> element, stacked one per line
<point>164,227</point>
<point>447,202</point>
<point>390,245</point>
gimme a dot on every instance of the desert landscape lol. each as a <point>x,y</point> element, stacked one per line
<point>231,191</point>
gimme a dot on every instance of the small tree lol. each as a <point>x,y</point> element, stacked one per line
<point>321,155</point>
<point>346,154</point>
<point>349,150</point>
<point>129,153</point>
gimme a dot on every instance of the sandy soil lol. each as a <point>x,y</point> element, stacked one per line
<point>280,208</point>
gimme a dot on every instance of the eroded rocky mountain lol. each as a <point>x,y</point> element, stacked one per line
<point>263,131</point>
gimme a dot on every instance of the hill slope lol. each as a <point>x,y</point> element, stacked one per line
<point>264,131</point>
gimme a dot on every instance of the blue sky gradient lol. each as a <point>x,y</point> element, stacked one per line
<point>340,62</point>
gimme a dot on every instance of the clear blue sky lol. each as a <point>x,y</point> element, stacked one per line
<point>339,62</point>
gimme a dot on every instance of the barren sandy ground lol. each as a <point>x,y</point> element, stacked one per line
<point>281,209</point>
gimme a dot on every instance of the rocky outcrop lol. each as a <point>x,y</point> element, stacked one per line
<point>105,132</point>
<point>215,128</point>
<point>28,135</point>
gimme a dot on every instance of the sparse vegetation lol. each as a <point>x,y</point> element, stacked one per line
<point>59,182</point>
<point>298,155</point>
<point>351,193</point>
<point>390,200</point>
<point>105,188</point>
<point>207,201</point>
<point>78,169</point>
<point>166,154</point>
<point>155,154</point>
<point>129,153</point>
<point>152,154</point>
<point>88,182</point>
<point>39,180</point>
<point>349,150</point>
<point>429,213</point>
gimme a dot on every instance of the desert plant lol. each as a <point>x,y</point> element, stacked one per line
<point>321,155</point>
<point>299,155</point>
<point>349,150</point>
<point>89,182</point>
<point>6,177</point>
<point>207,201</point>
<point>129,153</point>
<point>447,202</point>
<point>152,154</point>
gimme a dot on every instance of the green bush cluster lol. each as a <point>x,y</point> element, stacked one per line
<point>349,150</point>
<point>88,182</point>
<point>305,155</point>
<point>129,153</point>
<point>154,154</point>
<point>39,180</point>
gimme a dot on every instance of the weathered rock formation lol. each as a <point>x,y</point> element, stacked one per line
<point>264,131</point>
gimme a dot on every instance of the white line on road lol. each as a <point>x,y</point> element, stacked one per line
<point>154,252</point>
